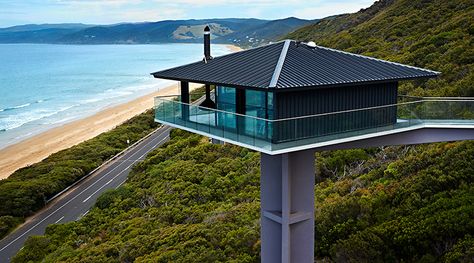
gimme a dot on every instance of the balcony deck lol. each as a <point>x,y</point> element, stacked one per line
<point>259,134</point>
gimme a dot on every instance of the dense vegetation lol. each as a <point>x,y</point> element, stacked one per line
<point>27,189</point>
<point>435,34</point>
<point>411,204</point>
<point>191,201</point>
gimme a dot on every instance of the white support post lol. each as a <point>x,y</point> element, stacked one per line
<point>287,207</point>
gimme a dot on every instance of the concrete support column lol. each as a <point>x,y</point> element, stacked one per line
<point>287,207</point>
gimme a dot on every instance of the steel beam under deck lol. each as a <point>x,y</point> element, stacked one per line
<point>419,136</point>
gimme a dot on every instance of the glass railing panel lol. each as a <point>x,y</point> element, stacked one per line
<point>408,114</point>
<point>448,111</point>
<point>203,119</point>
<point>229,124</point>
<point>246,129</point>
<point>215,128</point>
<point>169,112</point>
<point>298,131</point>
<point>339,124</point>
<point>179,118</point>
<point>190,121</point>
<point>159,113</point>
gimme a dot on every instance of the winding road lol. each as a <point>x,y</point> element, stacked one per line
<point>77,201</point>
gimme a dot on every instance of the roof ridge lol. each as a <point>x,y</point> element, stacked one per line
<point>279,65</point>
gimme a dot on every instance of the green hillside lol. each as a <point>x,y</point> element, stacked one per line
<point>434,34</point>
<point>238,31</point>
<point>191,201</point>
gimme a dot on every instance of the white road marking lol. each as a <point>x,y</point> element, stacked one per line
<point>100,188</point>
<point>85,200</point>
<point>139,159</point>
<point>120,184</point>
<point>70,200</point>
<point>158,143</point>
<point>57,221</point>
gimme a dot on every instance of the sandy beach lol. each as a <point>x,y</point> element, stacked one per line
<point>38,147</point>
<point>234,48</point>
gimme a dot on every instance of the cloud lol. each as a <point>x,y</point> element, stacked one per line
<point>237,3</point>
<point>146,15</point>
<point>220,2</point>
<point>328,9</point>
<point>97,2</point>
<point>115,11</point>
<point>111,11</point>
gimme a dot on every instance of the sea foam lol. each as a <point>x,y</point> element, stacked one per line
<point>74,81</point>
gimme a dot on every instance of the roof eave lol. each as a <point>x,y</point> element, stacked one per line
<point>279,88</point>
<point>212,82</point>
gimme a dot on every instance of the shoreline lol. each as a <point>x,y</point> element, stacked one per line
<point>234,48</point>
<point>21,136</point>
<point>40,146</point>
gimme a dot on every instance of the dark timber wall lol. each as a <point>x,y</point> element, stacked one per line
<point>317,101</point>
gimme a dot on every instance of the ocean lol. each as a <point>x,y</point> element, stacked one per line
<point>43,86</point>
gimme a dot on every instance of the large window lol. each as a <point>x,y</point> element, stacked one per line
<point>226,102</point>
<point>257,104</point>
<point>270,115</point>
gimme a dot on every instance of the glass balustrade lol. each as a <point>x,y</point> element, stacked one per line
<point>272,135</point>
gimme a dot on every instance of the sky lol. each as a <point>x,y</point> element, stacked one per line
<point>16,12</point>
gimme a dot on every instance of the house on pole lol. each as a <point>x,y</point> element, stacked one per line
<point>289,99</point>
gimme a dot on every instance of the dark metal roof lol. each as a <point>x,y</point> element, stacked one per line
<point>289,64</point>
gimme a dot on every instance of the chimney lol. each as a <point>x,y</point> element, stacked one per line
<point>207,43</point>
<point>208,102</point>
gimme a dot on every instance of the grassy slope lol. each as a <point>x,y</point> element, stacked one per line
<point>196,202</point>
